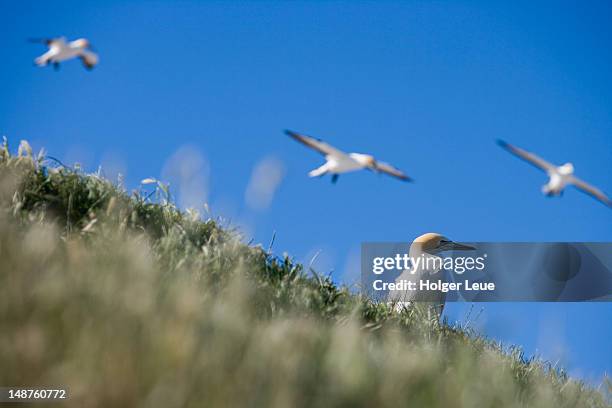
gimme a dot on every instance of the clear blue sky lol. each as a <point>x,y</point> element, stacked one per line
<point>427,86</point>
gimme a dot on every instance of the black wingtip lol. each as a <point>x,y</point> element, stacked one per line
<point>502,143</point>
<point>39,40</point>
<point>290,132</point>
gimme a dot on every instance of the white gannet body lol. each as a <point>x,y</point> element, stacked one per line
<point>61,50</point>
<point>426,247</point>
<point>559,176</point>
<point>338,162</point>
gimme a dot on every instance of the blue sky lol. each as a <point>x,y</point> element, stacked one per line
<point>427,86</point>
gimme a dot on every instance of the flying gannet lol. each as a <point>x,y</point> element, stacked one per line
<point>338,162</point>
<point>559,177</point>
<point>426,247</point>
<point>61,50</point>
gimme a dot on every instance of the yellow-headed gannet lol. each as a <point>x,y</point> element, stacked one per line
<point>61,50</point>
<point>338,162</point>
<point>559,177</point>
<point>427,264</point>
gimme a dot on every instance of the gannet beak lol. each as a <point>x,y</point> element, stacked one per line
<point>456,246</point>
<point>448,245</point>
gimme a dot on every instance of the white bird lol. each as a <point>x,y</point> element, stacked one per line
<point>338,162</point>
<point>61,50</point>
<point>426,247</point>
<point>559,176</point>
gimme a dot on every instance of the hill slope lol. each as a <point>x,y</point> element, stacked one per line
<point>129,302</point>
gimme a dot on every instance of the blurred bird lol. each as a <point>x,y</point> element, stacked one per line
<point>425,247</point>
<point>338,162</point>
<point>60,50</point>
<point>559,177</point>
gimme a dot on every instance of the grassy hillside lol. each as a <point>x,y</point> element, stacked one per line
<point>129,302</point>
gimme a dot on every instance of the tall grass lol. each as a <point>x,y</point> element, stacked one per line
<point>127,301</point>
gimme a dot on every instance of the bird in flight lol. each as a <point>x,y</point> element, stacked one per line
<point>338,162</point>
<point>559,176</point>
<point>61,50</point>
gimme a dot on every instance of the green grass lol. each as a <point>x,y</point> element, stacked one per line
<point>128,301</point>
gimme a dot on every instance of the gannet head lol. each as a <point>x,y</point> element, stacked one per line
<point>365,160</point>
<point>566,169</point>
<point>433,243</point>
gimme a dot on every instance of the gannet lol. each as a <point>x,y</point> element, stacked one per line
<point>559,177</point>
<point>60,50</point>
<point>338,162</point>
<point>425,247</point>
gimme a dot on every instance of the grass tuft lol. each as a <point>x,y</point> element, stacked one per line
<point>127,301</point>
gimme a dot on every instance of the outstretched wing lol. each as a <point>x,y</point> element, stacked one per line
<point>591,190</point>
<point>527,156</point>
<point>392,171</point>
<point>315,144</point>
